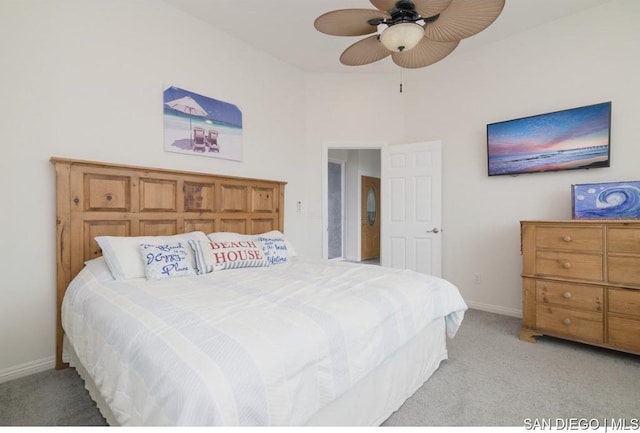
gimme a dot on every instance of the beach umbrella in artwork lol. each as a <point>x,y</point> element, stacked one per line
<point>189,106</point>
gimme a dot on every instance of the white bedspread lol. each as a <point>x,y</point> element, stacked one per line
<point>253,346</point>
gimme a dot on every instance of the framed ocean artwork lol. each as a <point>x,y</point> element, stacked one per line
<point>610,200</point>
<point>200,125</point>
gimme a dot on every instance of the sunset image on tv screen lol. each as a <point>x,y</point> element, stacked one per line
<point>563,140</point>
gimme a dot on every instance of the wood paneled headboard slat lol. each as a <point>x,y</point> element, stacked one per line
<point>103,199</point>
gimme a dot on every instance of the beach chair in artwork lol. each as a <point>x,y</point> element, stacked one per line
<point>198,140</point>
<point>212,141</point>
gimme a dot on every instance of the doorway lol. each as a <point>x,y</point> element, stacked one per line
<point>356,162</point>
<point>411,232</point>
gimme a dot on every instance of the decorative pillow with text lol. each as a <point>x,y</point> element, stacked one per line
<point>216,256</point>
<point>275,249</point>
<point>122,253</point>
<point>273,234</point>
<point>277,234</point>
<point>167,260</point>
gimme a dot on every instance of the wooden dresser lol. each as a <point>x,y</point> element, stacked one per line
<point>581,281</point>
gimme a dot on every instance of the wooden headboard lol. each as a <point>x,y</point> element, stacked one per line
<point>103,199</point>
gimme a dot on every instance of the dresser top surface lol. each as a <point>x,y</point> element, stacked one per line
<point>583,221</point>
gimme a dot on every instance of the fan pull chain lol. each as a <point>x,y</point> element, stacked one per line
<point>400,80</point>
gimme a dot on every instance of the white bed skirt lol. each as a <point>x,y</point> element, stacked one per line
<point>69,355</point>
<point>369,403</point>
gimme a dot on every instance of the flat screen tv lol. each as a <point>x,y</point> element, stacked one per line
<point>563,140</point>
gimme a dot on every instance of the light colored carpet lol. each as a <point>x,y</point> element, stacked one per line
<point>50,398</point>
<point>490,379</point>
<point>494,379</point>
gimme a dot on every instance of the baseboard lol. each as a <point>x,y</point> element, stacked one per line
<point>495,309</point>
<point>27,369</point>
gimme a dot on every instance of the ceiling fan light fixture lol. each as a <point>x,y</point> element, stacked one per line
<point>402,36</point>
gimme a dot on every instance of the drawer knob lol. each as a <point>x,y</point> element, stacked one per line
<point>567,238</point>
<point>566,265</point>
<point>566,321</point>
<point>566,295</point>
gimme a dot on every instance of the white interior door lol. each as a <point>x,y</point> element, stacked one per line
<point>411,232</point>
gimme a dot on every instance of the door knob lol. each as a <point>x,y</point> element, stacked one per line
<point>434,230</point>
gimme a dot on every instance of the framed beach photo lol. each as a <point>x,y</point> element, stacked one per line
<point>611,200</point>
<point>200,125</point>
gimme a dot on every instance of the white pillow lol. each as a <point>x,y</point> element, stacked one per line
<point>122,253</point>
<point>167,260</point>
<point>99,269</point>
<point>218,255</point>
<point>226,236</point>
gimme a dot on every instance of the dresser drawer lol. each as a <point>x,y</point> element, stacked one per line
<point>624,270</point>
<point>624,334</point>
<point>569,295</point>
<point>578,239</point>
<point>569,265</point>
<point>579,325</point>
<point>623,240</point>
<point>625,302</point>
<point>581,281</point>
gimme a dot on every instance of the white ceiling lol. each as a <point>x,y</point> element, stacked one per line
<point>284,28</point>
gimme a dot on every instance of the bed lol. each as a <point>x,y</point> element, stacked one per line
<point>225,324</point>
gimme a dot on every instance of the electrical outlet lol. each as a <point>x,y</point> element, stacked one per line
<point>476,278</point>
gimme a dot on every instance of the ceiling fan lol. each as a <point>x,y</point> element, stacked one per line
<point>418,33</point>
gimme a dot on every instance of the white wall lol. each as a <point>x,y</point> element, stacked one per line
<point>349,111</point>
<point>583,59</point>
<point>578,60</point>
<point>84,79</point>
